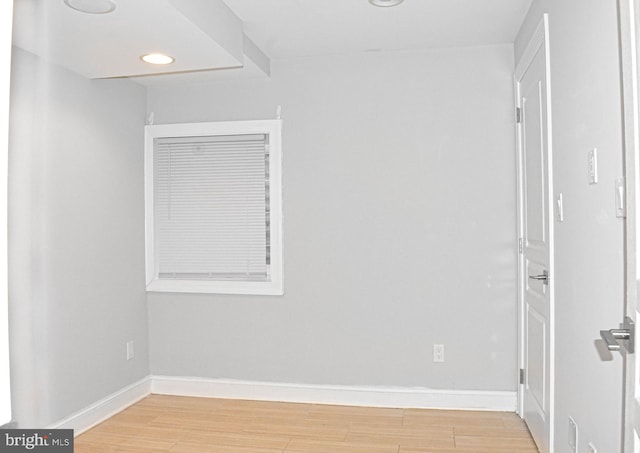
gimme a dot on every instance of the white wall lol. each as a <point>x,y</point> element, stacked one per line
<point>76,238</point>
<point>586,109</point>
<point>6,15</point>
<point>399,197</point>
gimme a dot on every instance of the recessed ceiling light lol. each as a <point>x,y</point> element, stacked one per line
<point>385,2</point>
<point>92,6</point>
<point>157,58</point>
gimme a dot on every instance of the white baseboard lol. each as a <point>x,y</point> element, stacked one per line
<point>398,397</point>
<point>106,407</point>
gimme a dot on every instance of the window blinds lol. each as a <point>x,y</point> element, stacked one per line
<point>211,203</point>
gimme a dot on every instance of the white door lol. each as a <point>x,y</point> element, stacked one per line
<point>630,42</point>
<point>536,240</point>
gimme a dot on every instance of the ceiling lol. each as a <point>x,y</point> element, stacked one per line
<point>297,28</point>
<point>213,39</point>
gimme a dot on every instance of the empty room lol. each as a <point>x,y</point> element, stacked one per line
<point>403,226</point>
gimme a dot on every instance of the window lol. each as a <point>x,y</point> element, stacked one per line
<point>213,207</point>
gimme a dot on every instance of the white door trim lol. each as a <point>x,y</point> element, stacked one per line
<point>538,40</point>
<point>629,42</point>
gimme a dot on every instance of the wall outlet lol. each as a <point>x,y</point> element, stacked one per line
<point>438,353</point>
<point>573,435</point>
<point>591,448</point>
<point>130,352</point>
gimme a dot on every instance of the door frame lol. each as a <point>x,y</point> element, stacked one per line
<point>539,40</point>
<point>629,21</point>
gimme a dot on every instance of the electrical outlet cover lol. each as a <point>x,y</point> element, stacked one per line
<point>438,353</point>
<point>130,350</point>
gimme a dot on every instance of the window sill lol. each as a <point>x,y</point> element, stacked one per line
<point>205,287</point>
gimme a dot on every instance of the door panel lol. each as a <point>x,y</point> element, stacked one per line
<point>536,266</point>
<point>535,206</point>
<point>535,364</point>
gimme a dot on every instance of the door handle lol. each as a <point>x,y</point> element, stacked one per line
<point>544,277</point>
<point>626,335</point>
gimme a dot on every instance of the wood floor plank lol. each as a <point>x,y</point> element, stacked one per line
<point>300,430</point>
<point>496,443</point>
<point>309,446</point>
<point>170,424</point>
<point>243,440</point>
<point>185,447</point>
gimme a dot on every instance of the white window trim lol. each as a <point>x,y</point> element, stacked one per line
<point>271,127</point>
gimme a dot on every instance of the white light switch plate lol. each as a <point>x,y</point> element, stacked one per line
<point>573,435</point>
<point>560,208</point>
<point>620,198</point>
<point>592,159</point>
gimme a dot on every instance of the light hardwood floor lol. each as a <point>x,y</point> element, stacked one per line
<point>203,425</point>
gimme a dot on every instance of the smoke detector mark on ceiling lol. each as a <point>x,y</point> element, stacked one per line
<point>385,3</point>
<point>92,6</point>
